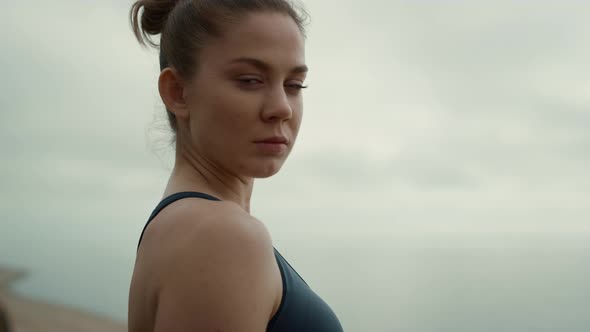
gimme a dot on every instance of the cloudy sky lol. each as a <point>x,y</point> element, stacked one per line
<point>424,119</point>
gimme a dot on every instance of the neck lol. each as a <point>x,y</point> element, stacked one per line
<point>193,172</point>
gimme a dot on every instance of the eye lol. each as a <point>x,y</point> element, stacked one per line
<point>296,85</point>
<point>249,80</point>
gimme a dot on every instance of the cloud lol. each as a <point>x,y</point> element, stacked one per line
<point>411,106</point>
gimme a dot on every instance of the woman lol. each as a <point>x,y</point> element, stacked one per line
<point>231,78</point>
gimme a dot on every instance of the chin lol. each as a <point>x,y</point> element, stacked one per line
<point>267,169</point>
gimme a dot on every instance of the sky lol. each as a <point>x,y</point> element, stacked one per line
<point>427,124</point>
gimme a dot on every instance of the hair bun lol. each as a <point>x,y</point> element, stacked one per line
<point>152,18</point>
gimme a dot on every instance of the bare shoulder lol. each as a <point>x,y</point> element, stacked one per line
<point>179,225</point>
<point>215,267</point>
<point>215,230</point>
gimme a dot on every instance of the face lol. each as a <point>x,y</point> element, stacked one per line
<point>248,89</point>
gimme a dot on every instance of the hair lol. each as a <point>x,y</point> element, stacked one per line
<point>185,26</point>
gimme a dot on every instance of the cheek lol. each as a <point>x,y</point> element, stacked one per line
<point>297,117</point>
<point>294,124</point>
<point>230,113</point>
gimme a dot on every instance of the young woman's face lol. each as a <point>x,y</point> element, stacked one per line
<point>247,89</point>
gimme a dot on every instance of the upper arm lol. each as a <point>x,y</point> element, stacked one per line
<point>219,280</point>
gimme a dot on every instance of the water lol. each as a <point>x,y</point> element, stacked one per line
<point>412,281</point>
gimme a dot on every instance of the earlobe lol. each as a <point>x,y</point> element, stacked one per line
<point>171,90</point>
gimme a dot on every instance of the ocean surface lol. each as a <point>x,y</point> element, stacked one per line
<point>411,282</point>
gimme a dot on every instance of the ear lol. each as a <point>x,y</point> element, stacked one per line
<point>171,88</point>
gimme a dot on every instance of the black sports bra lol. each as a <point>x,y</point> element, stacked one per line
<point>300,310</point>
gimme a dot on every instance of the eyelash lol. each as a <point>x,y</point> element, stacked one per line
<point>295,86</point>
<point>298,86</point>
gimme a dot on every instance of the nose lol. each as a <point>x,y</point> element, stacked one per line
<point>277,106</point>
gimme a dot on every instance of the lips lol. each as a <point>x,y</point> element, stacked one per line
<point>272,146</point>
<point>273,140</point>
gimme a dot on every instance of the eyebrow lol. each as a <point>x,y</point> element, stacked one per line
<point>263,66</point>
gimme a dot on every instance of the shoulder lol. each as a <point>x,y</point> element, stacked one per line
<point>219,230</point>
<point>196,226</point>
<point>222,232</point>
<point>177,225</point>
<point>213,263</point>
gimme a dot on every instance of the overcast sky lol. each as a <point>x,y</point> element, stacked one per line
<point>422,117</point>
<point>454,107</point>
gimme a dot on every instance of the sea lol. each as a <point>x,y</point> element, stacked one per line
<point>411,281</point>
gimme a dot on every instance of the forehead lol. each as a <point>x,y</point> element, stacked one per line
<point>271,37</point>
